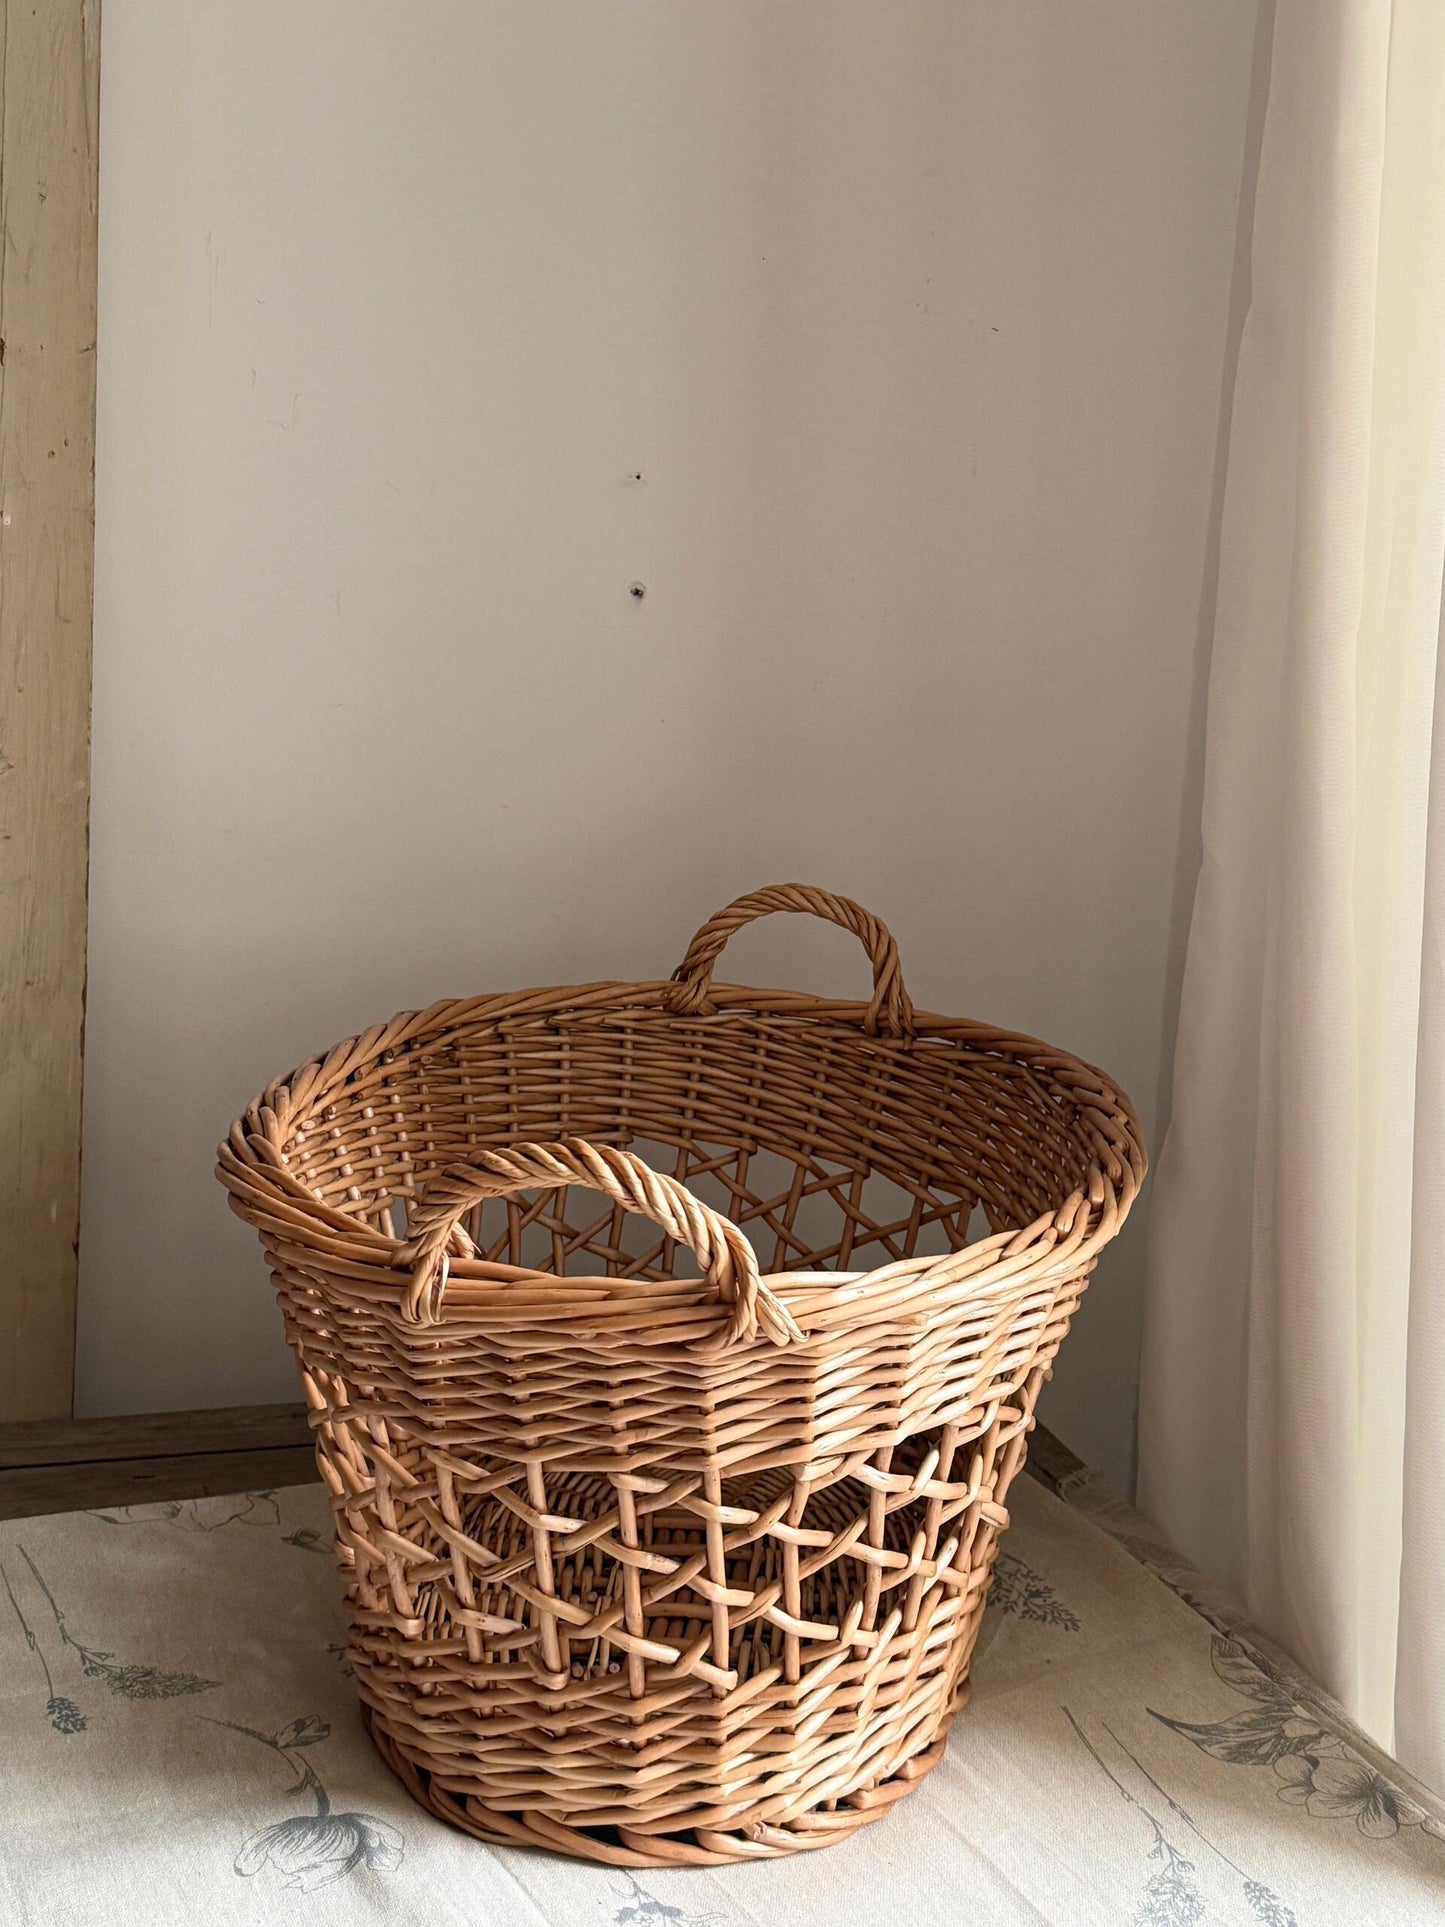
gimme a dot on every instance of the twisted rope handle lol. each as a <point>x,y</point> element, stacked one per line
<point>729,1264</point>
<point>891,1009</point>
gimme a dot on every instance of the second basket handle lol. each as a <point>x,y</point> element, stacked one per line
<point>891,1009</point>
<point>727,1259</point>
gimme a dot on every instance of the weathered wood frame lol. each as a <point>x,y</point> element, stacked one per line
<point>49,114</point>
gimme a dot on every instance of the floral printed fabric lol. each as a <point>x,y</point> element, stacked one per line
<point>178,1724</point>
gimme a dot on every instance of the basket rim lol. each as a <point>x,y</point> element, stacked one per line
<point>251,1161</point>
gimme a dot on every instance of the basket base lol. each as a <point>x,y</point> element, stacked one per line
<point>621,1847</point>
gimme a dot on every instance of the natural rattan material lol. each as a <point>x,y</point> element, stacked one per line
<point>647,1566</point>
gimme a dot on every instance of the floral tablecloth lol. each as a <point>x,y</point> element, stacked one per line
<point>181,1747</point>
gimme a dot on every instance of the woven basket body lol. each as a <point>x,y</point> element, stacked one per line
<point>671,1348</point>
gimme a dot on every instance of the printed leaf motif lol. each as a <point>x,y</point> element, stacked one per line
<point>1276,1729</point>
<point>306,1732</point>
<point>1249,1739</point>
<point>266,1739</point>
<point>149,1682</point>
<point>1235,1667</point>
<point>1267,1906</point>
<point>1171,1898</point>
<point>130,1682</point>
<point>1019,1591</point>
<point>64,1715</point>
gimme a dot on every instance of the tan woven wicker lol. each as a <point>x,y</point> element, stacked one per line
<point>649,1566</point>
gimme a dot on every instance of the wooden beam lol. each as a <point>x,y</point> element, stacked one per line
<point>32,1490</point>
<point>153,1435</point>
<point>78,1465</point>
<point>49,108</point>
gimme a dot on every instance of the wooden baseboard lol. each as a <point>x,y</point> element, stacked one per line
<point>77,1465</point>
<point>80,1465</point>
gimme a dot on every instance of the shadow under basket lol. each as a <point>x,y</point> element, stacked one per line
<point>653,1556</point>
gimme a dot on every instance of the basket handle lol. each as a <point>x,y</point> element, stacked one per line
<point>891,1010</point>
<point>727,1259</point>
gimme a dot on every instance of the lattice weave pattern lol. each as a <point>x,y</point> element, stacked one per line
<point>654,1556</point>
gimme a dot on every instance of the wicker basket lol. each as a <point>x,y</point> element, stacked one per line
<point>647,1566</point>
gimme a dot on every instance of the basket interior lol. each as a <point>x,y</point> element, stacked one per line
<point>831,1150</point>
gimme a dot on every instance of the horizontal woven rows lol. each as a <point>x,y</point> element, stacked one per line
<point>530,1388</point>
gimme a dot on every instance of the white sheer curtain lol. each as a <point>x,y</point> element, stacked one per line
<point>1292,1432</point>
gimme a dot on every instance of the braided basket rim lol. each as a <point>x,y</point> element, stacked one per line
<point>252,1159</point>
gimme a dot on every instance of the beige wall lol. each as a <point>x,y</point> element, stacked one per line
<point>912,318</point>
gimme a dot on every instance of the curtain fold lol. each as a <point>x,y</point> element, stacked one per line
<point>1293,1382</point>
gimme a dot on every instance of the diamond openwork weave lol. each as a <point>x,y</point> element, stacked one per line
<point>653,1557</point>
